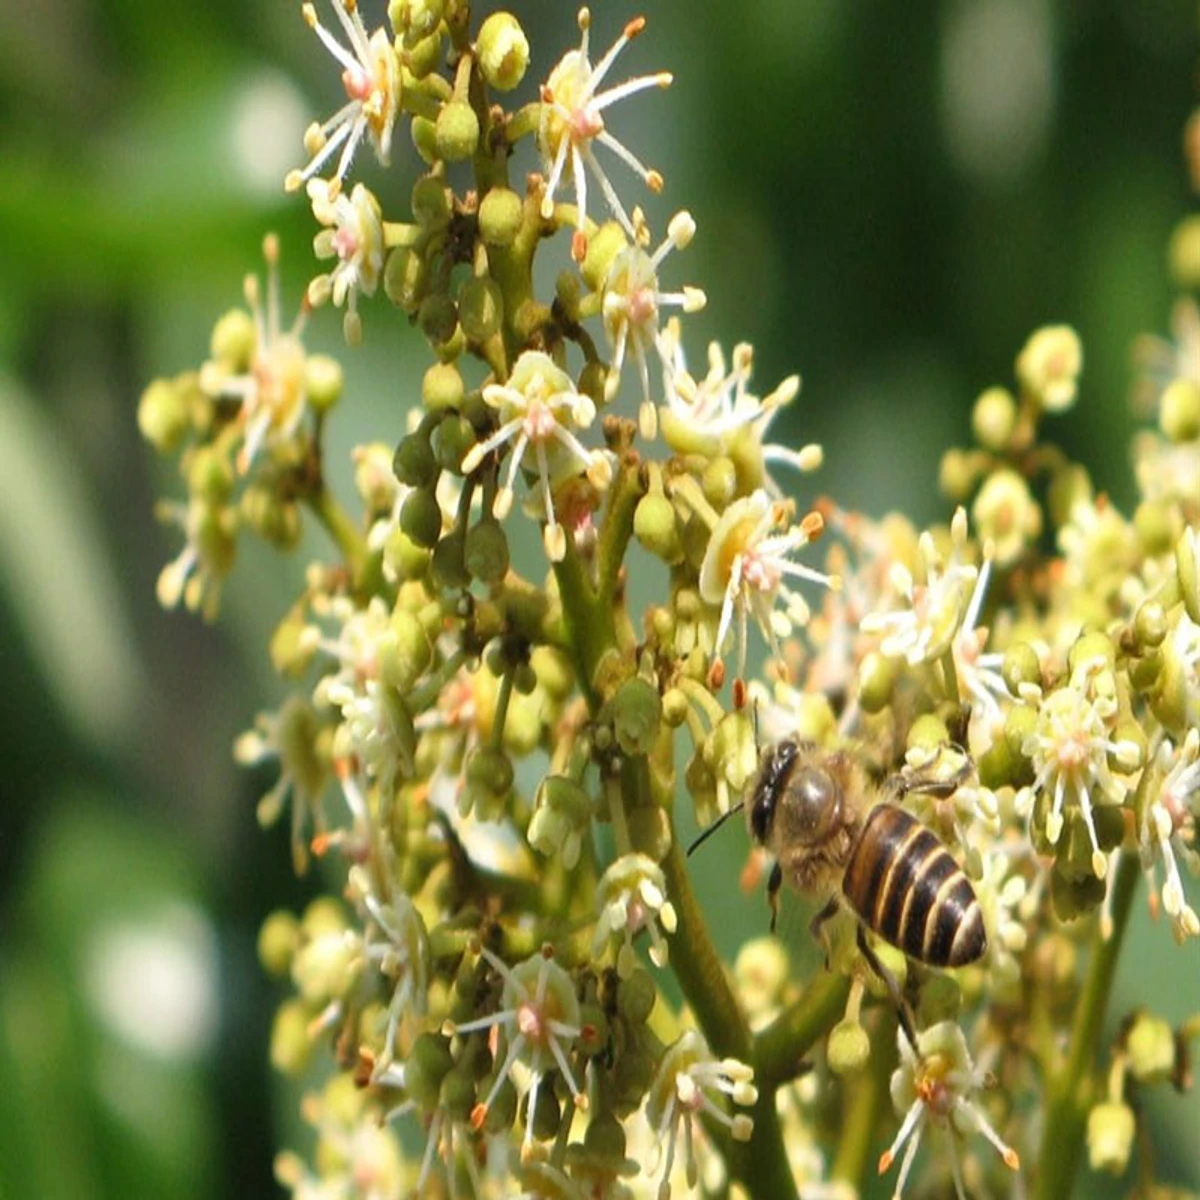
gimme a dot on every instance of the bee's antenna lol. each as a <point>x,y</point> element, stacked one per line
<point>705,834</point>
<point>757,739</point>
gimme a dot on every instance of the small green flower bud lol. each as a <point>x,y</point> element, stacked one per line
<point>1179,411</point>
<point>1110,1132</point>
<point>654,525</point>
<point>525,679</point>
<point>636,996</point>
<point>500,215</point>
<point>162,416</point>
<point>876,679</point>
<point>637,714</point>
<point>604,1140</point>
<point>502,1111</point>
<point>457,1093</point>
<point>632,1078</point>
<point>421,517</point>
<point>1075,897</point>
<point>848,1047</point>
<point>276,521</point>
<point>422,58</point>
<point>424,139</point>
<point>994,418</point>
<point>1145,671</point>
<point>594,1025</point>
<point>415,19</point>
<point>603,246</point>
<point>553,670</point>
<point>324,914</point>
<point>1184,253</point>
<point>1155,527</point>
<point>480,308</point>
<point>675,708</point>
<point>1049,365</point>
<point>234,340</point>
<point>442,387</point>
<point>503,51</point>
<point>490,772</point>
<point>438,317</point>
<point>957,475</point>
<point>323,381</point>
<point>457,131</point>
<point>210,476</point>
<point>404,558</point>
<point>1069,487</point>
<point>720,482</point>
<point>406,278</point>
<point>1006,514</point>
<point>546,1116</point>
<point>1152,1049</point>
<point>486,552</point>
<point>278,941</point>
<point>448,564</point>
<point>928,732</point>
<point>1021,666</point>
<point>761,973</point>
<point>431,206</point>
<point>1089,646</point>
<point>414,462</point>
<point>455,437</point>
<point>428,1063</point>
<point>290,1046</point>
<point>405,654</point>
<point>1187,566</point>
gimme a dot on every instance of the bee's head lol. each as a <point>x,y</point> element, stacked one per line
<point>794,786</point>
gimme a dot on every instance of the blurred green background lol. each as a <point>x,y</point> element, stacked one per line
<point>889,198</point>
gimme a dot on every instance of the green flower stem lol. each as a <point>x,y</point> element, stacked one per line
<point>762,1162</point>
<point>523,122</point>
<point>345,533</point>
<point>1072,1091</point>
<point>780,1048</point>
<point>864,1107</point>
<point>503,697</point>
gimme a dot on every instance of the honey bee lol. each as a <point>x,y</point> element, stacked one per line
<point>833,835</point>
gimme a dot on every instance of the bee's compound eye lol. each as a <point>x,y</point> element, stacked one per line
<point>818,803</point>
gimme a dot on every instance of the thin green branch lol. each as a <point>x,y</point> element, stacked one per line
<point>782,1046</point>
<point>341,528</point>
<point>1073,1090</point>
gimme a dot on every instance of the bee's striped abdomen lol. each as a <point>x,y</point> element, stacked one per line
<point>906,887</point>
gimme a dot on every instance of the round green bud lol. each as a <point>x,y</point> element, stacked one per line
<point>603,246</point>
<point>1150,625</point>
<point>449,569</point>
<point>637,714</point>
<point>1184,253</point>
<point>1179,411</point>
<point>404,557</point>
<point>405,654</point>
<point>1187,567</point>
<point>431,203</point>
<point>442,387</point>
<point>594,1025</point>
<point>503,51</point>
<point>1089,646</point>
<point>848,1047</point>
<point>675,708</point>
<point>490,770</point>
<point>604,1140</point>
<point>428,1063</point>
<point>290,1045</point>
<point>210,476</point>
<point>1152,1049</point>
<point>234,340</point>
<point>1144,671</point>
<point>994,418</point>
<point>438,317</point>
<point>453,348</point>
<point>500,215</point>
<point>457,131</point>
<point>415,19</point>
<point>720,482</point>
<point>424,139</point>
<point>278,940</point>
<point>636,996</point>
<point>654,525</point>
<point>546,1116</point>
<point>876,679</point>
<point>480,308</point>
<point>1070,486</point>
<point>276,521</point>
<point>424,57</point>
<point>1021,665</point>
<point>1074,897</point>
<point>486,552</point>
<point>525,679</point>
<point>928,732</point>
<point>1155,527</point>
<point>421,517</point>
<point>414,462</point>
<point>323,381</point>
<point>957,475</point>
<point>405,278</point>
<point>162,416</point>
<point>322,916</point>
<point>1111,1129</point>
<point>457,1093</point>
<point>455,437</point>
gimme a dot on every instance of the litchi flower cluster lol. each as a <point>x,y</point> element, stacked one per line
<point>509,985</point>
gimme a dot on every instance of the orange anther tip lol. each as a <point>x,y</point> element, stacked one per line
<point>635,27</point>
<point>739,693</point>
<point>1012,1159</point>
<point>654,181</point>
<point>320,844</point>
<point>885,1161</point>
<point>579,245</point>
<point>478,1116</point>
<point>716,675</point>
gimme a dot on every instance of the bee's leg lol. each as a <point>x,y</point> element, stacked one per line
<point>774,883</point>
<point>903,1013</point>
<point>816,926</point>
